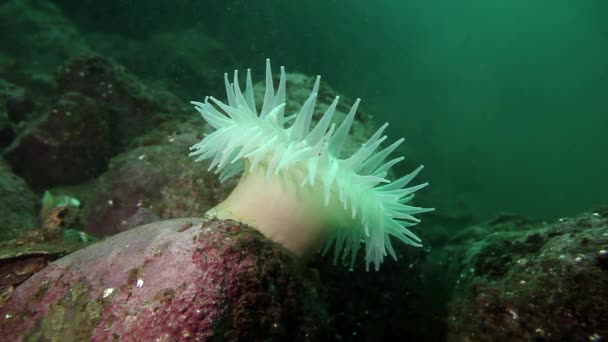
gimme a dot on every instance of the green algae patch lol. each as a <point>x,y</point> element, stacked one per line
<point>73,318</point>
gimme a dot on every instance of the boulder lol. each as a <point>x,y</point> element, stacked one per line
<point>171,280</point>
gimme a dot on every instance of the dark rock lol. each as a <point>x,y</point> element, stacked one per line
<point>15,105</point>
<point>397,303</point>
<point>532,281</point>
<point>18,212</point>
<point>7,134</point>
<point>140,217</point>
<point>133,107</point>
<point>16,100</point>
<point>68,146</point>
<point>171,280</point>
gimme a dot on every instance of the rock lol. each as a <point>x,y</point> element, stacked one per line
<point>70,145</point>
<point>133,107</point>
<point>20,260</point>
<point>529,280</point>
<point>7,134</point>
<point>167,281</point>
<point>17,204</point>
<point>16,100</point>
<point>15,105</point>
<point>150,183</point>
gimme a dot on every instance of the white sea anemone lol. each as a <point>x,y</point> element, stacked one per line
<point>296,186</point>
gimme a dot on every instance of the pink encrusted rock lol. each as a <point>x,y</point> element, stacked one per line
<point>182,279</point>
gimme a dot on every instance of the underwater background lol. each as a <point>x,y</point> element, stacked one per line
<point>504,102</point>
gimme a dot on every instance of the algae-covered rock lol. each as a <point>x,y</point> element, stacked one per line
<point>17,204</point>
<point>167,281</point>
<point>526,280</point>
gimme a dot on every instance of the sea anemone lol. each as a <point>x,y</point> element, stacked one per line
<point>297,186</point>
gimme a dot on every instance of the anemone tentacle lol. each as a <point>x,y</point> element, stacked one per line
<point>372,208</point>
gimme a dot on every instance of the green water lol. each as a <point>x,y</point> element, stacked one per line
<point>505,102</point>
